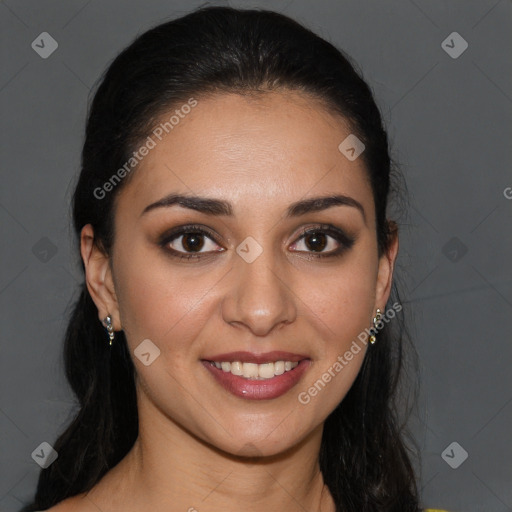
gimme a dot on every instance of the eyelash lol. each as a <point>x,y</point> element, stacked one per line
<point>345,241</point>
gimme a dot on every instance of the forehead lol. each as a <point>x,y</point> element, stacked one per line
<point>272,148</point>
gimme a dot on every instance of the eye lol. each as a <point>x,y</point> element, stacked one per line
<point>323,241</point>
<point>189,242</point>
<point>195,242</point>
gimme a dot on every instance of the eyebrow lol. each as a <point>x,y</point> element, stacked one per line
<point>220,207</point>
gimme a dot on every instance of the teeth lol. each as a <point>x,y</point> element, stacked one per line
<point>236,368</point>
<point>279,367</point>
<point>255,371</point>
<point>250,370</point>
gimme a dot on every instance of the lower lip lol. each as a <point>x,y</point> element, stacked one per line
<point>258,389</point>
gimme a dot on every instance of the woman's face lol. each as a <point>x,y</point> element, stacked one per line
<point>252,285</point>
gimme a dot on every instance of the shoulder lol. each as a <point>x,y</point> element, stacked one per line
<point>73,504</point>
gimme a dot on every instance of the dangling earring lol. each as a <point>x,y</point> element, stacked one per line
<point>110,330</point>
<point>373,330</point>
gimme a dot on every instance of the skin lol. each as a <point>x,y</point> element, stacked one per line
<point>261,154</point>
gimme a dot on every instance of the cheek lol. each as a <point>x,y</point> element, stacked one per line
<point>168,307</point>
<point>343,303</point>
<point>341,312</point>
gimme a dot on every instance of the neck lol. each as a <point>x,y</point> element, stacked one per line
<point>170,469</point>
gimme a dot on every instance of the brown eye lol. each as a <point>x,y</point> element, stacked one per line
<point>323,241</point>
<point>190,242</point>
<point>316,241</point>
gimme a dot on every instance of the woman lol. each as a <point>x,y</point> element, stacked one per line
<point>237,343</point>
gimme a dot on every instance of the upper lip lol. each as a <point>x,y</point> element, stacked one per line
<point>250,357</point>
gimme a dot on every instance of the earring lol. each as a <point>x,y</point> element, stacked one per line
<point>373,330</point>
<point>110,330</point>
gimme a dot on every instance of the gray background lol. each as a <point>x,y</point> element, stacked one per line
<point>450,125</point>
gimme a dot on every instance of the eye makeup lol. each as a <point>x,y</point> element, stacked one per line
<point>194,232</point>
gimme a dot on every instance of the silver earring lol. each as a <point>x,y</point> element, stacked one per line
<point>110,330</point>
<point>373,330</point>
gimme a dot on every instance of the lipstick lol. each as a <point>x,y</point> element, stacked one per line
<point>288,367</point>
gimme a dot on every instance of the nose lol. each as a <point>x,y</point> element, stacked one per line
<point>259,297</point>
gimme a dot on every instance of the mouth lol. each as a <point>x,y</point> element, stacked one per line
<point>257,376</point>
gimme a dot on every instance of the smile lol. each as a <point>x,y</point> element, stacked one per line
<point>255,371</point>
<point>257,376</point>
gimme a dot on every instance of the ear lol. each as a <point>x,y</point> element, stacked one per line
<point>98,277</point>
<point>386,267</point>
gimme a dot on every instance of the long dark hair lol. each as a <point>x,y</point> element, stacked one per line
<point>364,458</point>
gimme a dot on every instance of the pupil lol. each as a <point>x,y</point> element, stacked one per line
<point>192,242</point>
<point>317,238</point>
